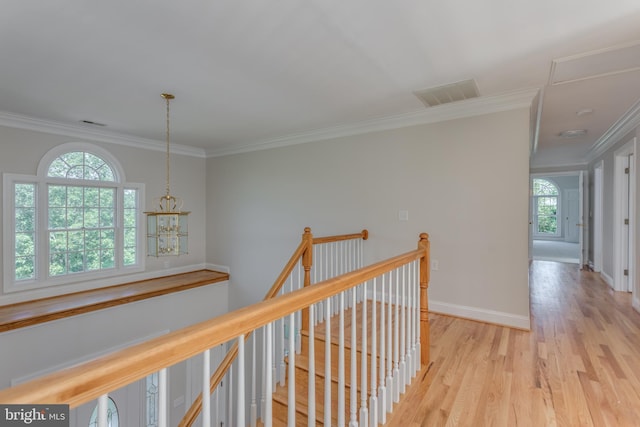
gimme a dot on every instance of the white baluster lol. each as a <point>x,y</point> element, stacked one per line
<point>268,410</point>
<point>281,354</point>
<point>254,404</point>
<point>216,406</point>
<point>409,367</point>
<point>298,336</point>
<point>327,364</point>
<point>353,396</point>
<point>335,272</point>
<point>265,368</point>
<point>389,352</point>
<point>274,371</point>
<point>373,400</point>
<point>311,400</point>
<point>414,304</point>
<point>416,357</point>
<point>240,397</point>
<point>364,413</point>
<point>321,277</point>
<point>341,379</point>
<point>230,398</point>
<point>382,390</point>
<point>162,398</point>
<point>206,391</point>
<point>291,387</point>
<point>103,406</point>
<point>403,331</point>
<point>396,343</point>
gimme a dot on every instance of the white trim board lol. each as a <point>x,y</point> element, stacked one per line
<point>480,314</point>
<point>81,133</point>
<point>607,279</point>
<point>625,124</point>
<point>454,110</point>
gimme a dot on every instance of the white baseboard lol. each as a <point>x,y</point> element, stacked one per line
<point>607,279</point>
<point>217,267</point>
<point>481,314</point>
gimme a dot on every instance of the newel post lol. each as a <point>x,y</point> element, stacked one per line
<point>307,262</point>
<point>423,243</point>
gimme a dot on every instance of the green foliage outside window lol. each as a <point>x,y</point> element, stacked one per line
<point>545,204</point>
<point>80,218</point>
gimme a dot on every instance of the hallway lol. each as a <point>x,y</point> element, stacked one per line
<point>579,365</point>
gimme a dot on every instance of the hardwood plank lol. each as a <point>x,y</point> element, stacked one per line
<point>579,365</point>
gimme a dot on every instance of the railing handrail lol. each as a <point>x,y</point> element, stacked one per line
<point>364,235</point>
<point>86,382</point>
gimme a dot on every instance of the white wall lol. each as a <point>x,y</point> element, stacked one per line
<point>608,204</point>
<point>36,349</point>
<point>463,181</point>
<point>50,346</point>
<point>608,160</point>
<point>21,151</point>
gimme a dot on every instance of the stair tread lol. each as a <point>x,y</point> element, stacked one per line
<point>280,396</point>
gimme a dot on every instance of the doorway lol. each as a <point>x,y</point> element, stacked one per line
<point>568,240</point>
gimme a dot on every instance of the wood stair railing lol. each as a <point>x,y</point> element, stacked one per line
<point>303,369</point>
<point>95,379</point>
<point>304,253</point>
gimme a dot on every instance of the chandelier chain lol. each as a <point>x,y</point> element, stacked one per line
<point>167,97</point>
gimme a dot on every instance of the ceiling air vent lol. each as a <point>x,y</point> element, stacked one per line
<point>448,93</point>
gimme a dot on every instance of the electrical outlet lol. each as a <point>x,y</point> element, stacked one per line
<point>434,264</point>
<point>403,215</point>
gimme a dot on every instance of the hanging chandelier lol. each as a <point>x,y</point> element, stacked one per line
<point>167,231</point>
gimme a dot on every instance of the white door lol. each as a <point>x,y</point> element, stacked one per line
<point>572,217</point>
<point>623,218</point>
<point>625,226</point>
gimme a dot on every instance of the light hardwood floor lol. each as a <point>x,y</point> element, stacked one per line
<point>579,365</point>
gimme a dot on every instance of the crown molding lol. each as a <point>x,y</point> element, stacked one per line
<point>18,121</point>
<point>625,124</point>
<point>455,110</point>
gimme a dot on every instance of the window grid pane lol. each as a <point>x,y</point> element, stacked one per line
<point>81,165</point>
<point>81,229</point>
<point>81,221</point>
<point>130,226</point>
<point>25,231</point>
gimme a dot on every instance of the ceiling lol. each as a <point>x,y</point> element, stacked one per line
<point>248,72</point>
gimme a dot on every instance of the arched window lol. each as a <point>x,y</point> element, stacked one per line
<point>76,220</point>
<point>546,203</point>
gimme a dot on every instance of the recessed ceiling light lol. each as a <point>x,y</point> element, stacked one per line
<point>572,133</point>
<point>584,112</point>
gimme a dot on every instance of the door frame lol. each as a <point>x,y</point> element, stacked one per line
<point>583,205</point>
<point>624,250</point>
<point>598,182</point>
